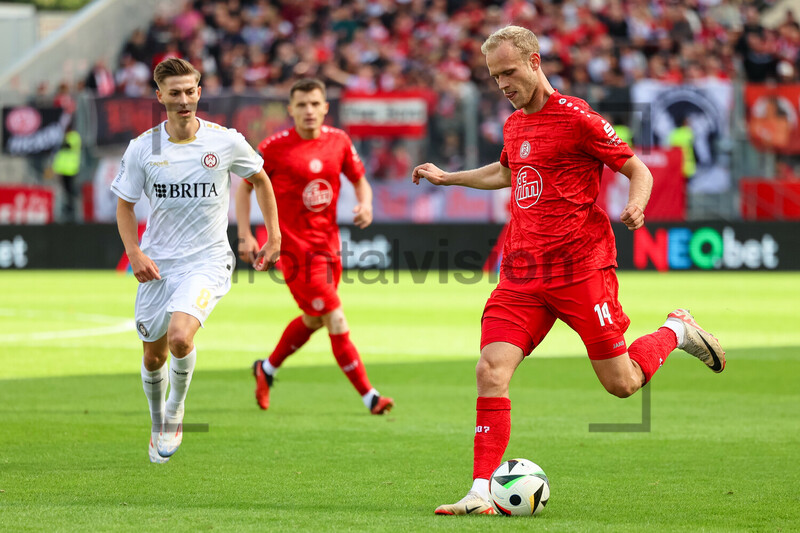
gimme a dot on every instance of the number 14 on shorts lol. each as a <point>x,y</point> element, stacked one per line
<point>602,314</point>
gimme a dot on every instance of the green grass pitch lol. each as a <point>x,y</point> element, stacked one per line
<point>722,453</point>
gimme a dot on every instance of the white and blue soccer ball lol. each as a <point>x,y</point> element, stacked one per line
<point>519,487</point>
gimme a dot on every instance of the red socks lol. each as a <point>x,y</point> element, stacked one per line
<point>350,362</point>
<point>294,336</point>
<point>492,431</point>
<point>652,350</point>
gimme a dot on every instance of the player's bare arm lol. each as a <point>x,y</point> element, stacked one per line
<point>489,177</point>
<point>265,196</point>
<point>144,268</point>
<point>248,245</point>
<point>641,186</point>
<point>363,211</point>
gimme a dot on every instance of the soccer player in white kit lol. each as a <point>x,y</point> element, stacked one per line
<point>185,262</point>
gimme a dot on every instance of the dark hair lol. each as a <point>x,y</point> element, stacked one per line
<point>174,67</point>
<point>306,85</point>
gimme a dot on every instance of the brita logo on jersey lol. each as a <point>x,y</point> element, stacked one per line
<point>529,187</point>
<point>185,190</point>
<point>317,195</point>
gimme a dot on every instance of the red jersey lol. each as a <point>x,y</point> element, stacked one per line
<point>305,177</point>
<point>556,157</point>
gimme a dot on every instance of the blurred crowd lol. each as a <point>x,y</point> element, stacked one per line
<point>593,49</point>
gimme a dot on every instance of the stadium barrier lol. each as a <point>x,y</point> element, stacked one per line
<point>425,248</point>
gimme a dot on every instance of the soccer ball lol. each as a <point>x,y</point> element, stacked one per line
<point>519,487</point>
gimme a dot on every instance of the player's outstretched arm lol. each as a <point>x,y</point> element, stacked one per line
<point>269,253</point>
<point>144,268</point>
<point>363,211</point>
<point>641,186</point>
<point>492,176</point>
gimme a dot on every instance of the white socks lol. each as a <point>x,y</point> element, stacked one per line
<point>367,398</point>
<point>267,367</point>
<point>481,486</point>
<point>155,389</point>
<point>677,326</point>
<point>180,376</point>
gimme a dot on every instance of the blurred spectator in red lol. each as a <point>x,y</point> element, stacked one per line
<point>64,98</point>
<point>100,80</point>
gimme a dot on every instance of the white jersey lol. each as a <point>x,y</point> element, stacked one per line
<point>188,185</point>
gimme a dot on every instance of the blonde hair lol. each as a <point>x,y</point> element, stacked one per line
<point>523,40</point>
<point>174,67</point>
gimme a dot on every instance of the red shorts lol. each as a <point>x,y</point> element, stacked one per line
<point>522,311</point>
<point>313,284</point>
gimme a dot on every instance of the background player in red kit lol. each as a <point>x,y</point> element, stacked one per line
<point>304,165</point>
<point>559,254</point>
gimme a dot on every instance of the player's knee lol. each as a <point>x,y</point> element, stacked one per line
<point>621,388</point>
<point>154,360</point>
<point>490,376</point>
<point>312,322</point>
<point>336,323</point>
<point>180,342</point>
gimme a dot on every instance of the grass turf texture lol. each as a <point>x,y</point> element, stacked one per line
<point>722,453</point>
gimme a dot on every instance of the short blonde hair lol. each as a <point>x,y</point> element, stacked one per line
<point>174,67</point>
<point>523,40</point>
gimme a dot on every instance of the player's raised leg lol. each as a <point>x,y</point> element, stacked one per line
<point>180,335</point>
<point>293,338</point>
<point>154,382</point>
<point>349,361</point>
<point>495,368</point>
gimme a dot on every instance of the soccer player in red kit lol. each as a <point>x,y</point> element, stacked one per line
<point>559,254</point>
<point>304,164</point>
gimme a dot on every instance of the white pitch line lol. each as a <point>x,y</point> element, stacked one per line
<point>38,336</point>
<point>88,317</point>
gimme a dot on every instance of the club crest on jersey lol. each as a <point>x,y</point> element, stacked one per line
<point>315,166</point>
<point>210,160</point>
<point>318,304</point>
<point>525,150</point>
<point>528,187</point>
<point>317,195</point>
<point>142,330</point>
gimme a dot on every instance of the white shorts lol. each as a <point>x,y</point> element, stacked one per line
<point>195,293</point>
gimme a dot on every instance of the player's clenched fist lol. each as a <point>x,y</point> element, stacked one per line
<point>248,248</point>
<point>267,256</point>
<point>144,268</point>
<point>632,216</point>
<point>430,172</point>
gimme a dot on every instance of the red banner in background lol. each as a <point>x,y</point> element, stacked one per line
<point>26,204</point>
<point>395,114</point>
<point>773,113</point>
<point>668,199</point>
<point>770,199</point>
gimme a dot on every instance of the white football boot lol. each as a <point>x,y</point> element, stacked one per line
<point>154,455</point>
<point>171,434</point>
<point>472,503</point>
<point>698,342</point>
